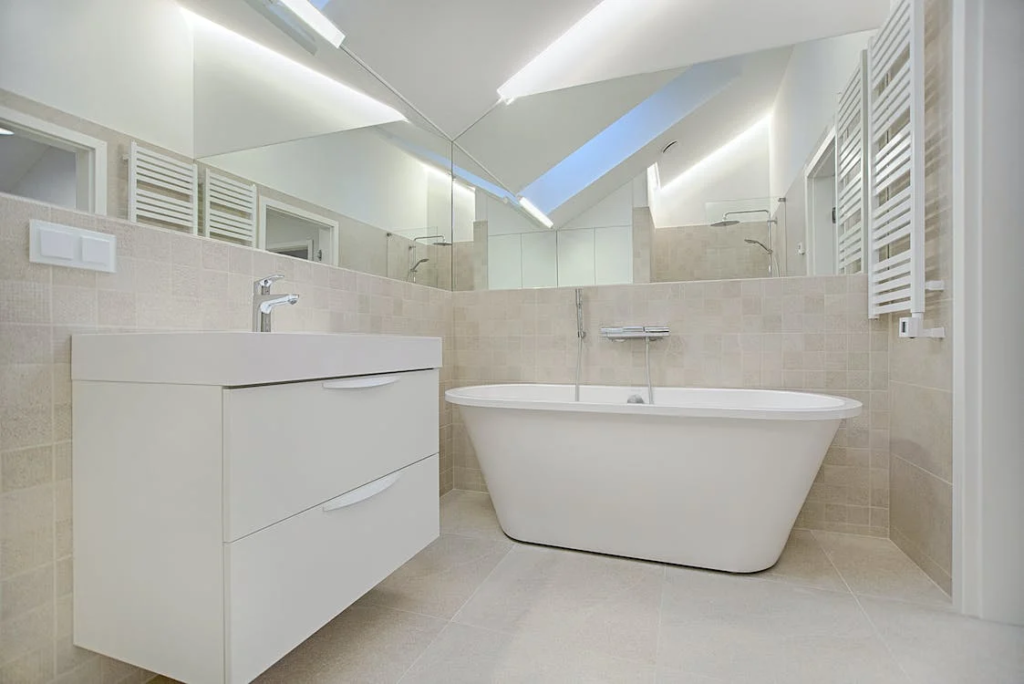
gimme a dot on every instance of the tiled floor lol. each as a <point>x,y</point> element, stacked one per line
<point>475,607</point>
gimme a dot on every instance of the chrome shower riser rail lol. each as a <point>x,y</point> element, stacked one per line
<point>581,335</point>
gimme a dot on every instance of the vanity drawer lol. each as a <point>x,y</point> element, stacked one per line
<point>287,581</point>
<point>290,447</point>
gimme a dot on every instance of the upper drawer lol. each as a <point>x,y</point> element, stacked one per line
<point>290,447</point>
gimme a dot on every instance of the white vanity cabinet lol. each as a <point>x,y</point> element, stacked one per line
<point>225,509</point>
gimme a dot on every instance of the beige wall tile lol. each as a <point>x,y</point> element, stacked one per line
<point>26,468</point>
<point>26,592</point>
<point>921,428</point>
<point>921,509</point>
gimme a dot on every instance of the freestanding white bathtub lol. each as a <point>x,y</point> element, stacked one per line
<point>712,478</point>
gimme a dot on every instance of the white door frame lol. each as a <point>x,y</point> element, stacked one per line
<point>280,247</point>
<point>828,142</point>
<point>261,230</point>
<point>988,471</point>
<point>90,155</point>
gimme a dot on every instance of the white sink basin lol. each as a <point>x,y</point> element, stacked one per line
<point>232,359</point>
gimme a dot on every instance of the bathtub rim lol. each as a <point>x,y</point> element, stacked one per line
<point>845,408</point>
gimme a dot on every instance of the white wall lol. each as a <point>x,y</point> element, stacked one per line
<point>502,219</point>
<point>355,173</point>
<point>739,171</point>
<point>52,179</point>
<point>465,214</point>
<point>247,95</point>
<point>613,255</point>
<point>123,64</point>
<point>576,258</point>
<point>504,262</point>
<point>614,210</point>
<point>596,248</point>
<point>806,103</point>
<point>439,205</point>
<point>539,259</point>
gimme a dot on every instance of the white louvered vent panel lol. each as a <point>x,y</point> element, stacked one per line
<point>895,85</point>
<point>229,209</point>
<point>851,172</point>
<point>162,191</point>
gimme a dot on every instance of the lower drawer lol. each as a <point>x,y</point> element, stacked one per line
<point>290,579</point>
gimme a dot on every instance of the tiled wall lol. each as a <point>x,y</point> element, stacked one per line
<point>791,333</point>
<point>690,253</point>
<point>921,470</point>
<point>164,281</point>
<point>643,244</point>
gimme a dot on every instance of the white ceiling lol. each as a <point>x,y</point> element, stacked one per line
<point>642,36</point>
<point>240,17</point>
<point>519,142</point>
<point>450,57</point>
<point>746,99</point>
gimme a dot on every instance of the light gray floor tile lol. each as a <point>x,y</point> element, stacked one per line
<point>598,603</point>
<point>371,645</point>
<point>938,647</point>
<point>876,567</point>
<point>722,626</point>
<point>468,655</point>
<point>673,677</point>
<point>441,577</point>
<point>469,514</point>
<point>804,562</point>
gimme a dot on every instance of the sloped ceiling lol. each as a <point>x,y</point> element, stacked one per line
<point>642,36</point>
<point>240,17</point>
<point>519,142</point>
<point>735,108</point>
<point>450,57</point>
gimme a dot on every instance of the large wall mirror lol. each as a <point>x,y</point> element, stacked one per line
<point>720,170</point>
<point>304,151</point>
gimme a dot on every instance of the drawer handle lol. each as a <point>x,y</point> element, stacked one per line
<point>361,383</point>
<point>363,493</point>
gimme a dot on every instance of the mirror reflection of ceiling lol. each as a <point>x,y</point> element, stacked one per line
<point>450,58</point>
<point>315,89</point>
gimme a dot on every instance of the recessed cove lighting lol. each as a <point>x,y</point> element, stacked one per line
<point>723,152</point>
<point>4,131</point>
<point>536,213</point>
<point>559,59</point>
<point>315,19</point>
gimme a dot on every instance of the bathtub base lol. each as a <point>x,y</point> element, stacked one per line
<point>716,494</point>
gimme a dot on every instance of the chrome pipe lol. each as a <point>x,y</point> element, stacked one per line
<point>647,360</point>
<point>581,335</point>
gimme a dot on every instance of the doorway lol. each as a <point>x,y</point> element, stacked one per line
<point>295,232</point>
<point>820,179</point>
<point>48,163</point>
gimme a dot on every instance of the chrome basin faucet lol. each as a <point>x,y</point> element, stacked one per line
<point>263,303</point>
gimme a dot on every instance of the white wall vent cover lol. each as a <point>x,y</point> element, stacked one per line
<point>162,191</point>
<point>896,153</point>
<point>229,209</point>
<point>852,172</point>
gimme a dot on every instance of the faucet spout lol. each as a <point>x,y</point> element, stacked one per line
<point>268,305</point>
<point>264,303</point>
